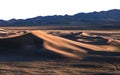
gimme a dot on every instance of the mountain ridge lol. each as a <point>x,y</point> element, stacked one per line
<point>92,18</point>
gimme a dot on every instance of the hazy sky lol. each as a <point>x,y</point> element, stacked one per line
<point>21,9</point>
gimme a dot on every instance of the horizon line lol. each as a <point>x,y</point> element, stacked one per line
<point>58,15</point>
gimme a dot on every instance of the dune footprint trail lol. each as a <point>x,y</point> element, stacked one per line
<point>69,48</point>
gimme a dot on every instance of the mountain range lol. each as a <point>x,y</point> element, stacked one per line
<point>110,17</point>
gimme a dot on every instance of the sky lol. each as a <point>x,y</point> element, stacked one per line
<point>22,9</point>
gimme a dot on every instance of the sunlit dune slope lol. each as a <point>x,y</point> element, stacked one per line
<point>70,48</point>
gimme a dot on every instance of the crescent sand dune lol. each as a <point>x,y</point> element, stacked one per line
<point>56,44</point>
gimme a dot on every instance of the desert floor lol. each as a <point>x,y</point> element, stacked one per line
<point>97,63</point>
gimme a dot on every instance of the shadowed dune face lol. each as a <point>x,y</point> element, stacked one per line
<point>20,44</point>
<point>90,39</point>
<point>41,42</point>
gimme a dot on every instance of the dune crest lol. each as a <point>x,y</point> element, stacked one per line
<point>85,34</point>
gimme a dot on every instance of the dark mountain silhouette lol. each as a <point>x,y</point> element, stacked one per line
<point>110,18</point>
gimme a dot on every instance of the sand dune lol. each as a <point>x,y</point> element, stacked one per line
<point>59,45</point>
<point>39,53</point>
<point>70,48</point>
<point>85,34</point>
